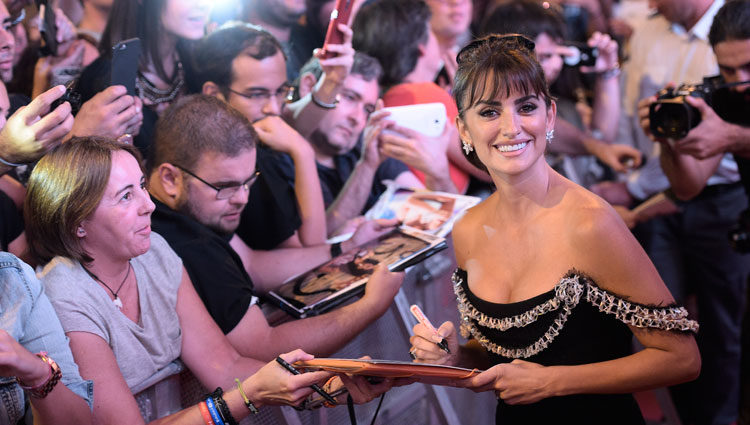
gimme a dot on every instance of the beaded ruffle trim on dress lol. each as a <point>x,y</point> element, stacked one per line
<point>568,294</point>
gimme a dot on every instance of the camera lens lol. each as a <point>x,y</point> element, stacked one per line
<point>574,58</point>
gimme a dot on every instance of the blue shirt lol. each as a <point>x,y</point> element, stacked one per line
<point>27,315</point>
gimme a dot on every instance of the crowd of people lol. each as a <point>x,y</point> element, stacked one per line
<point>158,214</point>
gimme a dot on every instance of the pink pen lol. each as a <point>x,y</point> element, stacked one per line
<point>417,312</point>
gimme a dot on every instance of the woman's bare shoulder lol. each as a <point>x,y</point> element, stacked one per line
<point>604,248</point>
<point>465,229</point>
<point>590,215</point>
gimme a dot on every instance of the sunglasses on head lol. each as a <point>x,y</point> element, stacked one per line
<point>520,40</point>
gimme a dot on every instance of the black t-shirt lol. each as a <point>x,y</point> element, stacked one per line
<point>271,215</point>
<point>11,221</point>
<point>214,267</point>
<point>333,180</point>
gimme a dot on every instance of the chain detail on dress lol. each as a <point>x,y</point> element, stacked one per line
<point>567,295</point>
<point>665,318</point>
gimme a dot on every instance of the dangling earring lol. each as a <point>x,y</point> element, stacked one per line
<point>468,148</point>
<point>550,136</point>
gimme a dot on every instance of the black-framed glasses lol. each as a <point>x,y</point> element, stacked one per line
<point>225,192</point>
<point>283,94</point>
<point>521,40</point>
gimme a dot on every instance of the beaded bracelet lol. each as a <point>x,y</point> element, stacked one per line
<point>205,413</point>
<point>248,403</point>
<point>53,377</point>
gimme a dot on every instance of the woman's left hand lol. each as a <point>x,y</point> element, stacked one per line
<point>608,53</point>
<point>517,382</point>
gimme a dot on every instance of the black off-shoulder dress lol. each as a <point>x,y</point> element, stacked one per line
<point>575,323</point>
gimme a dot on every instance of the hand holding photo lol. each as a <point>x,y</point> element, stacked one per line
<point>345,276</point>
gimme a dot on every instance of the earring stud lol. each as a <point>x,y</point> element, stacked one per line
<point>468,148</point>
<point>550,135</point>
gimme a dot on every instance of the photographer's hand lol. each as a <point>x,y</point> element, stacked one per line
<point>711,137</point>
<point>607,59</point>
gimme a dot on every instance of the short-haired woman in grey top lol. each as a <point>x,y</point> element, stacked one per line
<point>124,299</point>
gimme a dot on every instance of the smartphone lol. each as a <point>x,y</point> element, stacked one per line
<point>339,15</point>
<point>125,57</point>
<point>583,55</point>
<point>426,118</point>
<point>48,28</point>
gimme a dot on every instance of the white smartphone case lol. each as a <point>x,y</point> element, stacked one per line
<point>426,118</point>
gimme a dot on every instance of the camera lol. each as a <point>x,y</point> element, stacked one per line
<point>582,55</point>
<point>672,117</point>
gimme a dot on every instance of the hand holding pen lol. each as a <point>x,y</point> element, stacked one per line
<point>272,385</point>
<point>314,387</point>
<point>430,345</point>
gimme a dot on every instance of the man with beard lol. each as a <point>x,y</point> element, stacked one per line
<point>689,163</point>
<point>201,168</point>
<point>351,176</point>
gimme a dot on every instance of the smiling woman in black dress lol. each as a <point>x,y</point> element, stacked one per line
<point>551,285</point>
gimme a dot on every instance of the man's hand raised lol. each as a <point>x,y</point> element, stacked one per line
<point>34,129</point>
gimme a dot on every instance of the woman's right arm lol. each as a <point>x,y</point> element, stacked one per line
<point>424,346</point>
<point>114,403</point>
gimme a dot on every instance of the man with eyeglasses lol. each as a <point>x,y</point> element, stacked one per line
<point>243,65</point>
<point>201,169</point>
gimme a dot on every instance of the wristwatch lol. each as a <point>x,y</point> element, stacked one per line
<point>54,376</point>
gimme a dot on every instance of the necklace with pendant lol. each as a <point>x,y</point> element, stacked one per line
<point>117,301</point>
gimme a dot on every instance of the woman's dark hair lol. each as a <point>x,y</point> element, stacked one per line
<point>732,22</point>
<point>64,189</point>
<point>139,18</point>
<point>527,17</point>
<point>497,65</point>
<point>391,31</point>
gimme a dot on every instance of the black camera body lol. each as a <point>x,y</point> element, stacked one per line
<point>582,55</point>
<point>671,116</point>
